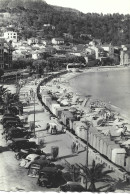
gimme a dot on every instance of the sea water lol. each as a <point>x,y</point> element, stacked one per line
<point>110,86</point>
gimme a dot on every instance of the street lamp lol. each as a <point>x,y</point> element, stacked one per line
<point>88,127</point>
<point>33,123</point>
<point>34,113</point>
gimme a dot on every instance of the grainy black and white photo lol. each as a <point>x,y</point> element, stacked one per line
<point>65,96</point>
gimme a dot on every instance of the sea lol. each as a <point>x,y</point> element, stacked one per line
<point>111,86</point>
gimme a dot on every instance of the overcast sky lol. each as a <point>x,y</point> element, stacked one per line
<point>96,6</point>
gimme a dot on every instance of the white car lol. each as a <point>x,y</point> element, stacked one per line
<point>27,161</point>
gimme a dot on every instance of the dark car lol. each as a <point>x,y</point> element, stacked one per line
<point>36,165</point>
<point>50,177</point>
<point>72,187</point>
<point>11,123</point>
<point>11,117</point>
<point>18,133</point>
<point>22,143</point>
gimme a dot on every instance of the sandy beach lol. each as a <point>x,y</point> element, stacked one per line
<point>95,70</point>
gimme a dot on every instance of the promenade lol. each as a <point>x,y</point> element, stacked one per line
<point>63,141</point>
<point>12,173</point>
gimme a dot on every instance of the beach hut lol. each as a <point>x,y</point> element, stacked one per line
<point>127,164</point>
<point>44,95</point>
<point>65,116</point>
<point>81,130</point>
<point>71,120</point>
<point>59,111</point>
<point>94,141</point>
<point>98,138</point>
<point>109,150</point>
<point>54,106</point>
<point>48,101</point>
<point>92,131</point>
<point>118,156</point>
<point>106,143</point>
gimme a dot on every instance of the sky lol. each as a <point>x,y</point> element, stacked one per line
<point>95,6</point>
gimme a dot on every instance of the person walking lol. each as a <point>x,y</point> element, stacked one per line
<point>73,147</point>
<point>47,127</point>
<point>76,146</point>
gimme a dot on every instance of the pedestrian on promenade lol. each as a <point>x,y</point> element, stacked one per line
<point>76,146</point>
<point>47,127</point>
<point>73,147</point>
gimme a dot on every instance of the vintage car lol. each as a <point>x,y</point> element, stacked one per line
<point>71,187</point>
<point>11,123</point>
<point>50,177</point>
<point>37,165</point>
<point>10,117</point>
<point>28,160</point>
<point>22,143</point>
<point>18,133</point>
<point>23,153</point>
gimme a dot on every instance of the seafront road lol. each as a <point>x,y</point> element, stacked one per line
<point>12,176</point>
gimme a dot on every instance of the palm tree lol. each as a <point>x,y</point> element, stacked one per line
<point>3,91</point>
<point>119,185</point>
<point>96,174</point>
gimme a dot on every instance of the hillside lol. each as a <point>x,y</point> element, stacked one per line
<point>31,15</point>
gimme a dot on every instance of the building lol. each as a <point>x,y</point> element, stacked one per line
<point>109,49</point>
<point>49,26</point>
<point>95,42</point>
<point>11,36</point>
<point>33,40</point>
<point>57,41</point>
<point>125,57</point>
<point>68,35</point>
<point>5,54</point>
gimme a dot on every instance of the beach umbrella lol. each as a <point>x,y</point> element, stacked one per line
<point>126,142</point>
<point>64,102</point>
<point>72,109</point>
<point>80,100</point>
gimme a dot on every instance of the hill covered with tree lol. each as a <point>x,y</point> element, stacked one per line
<point>30,16</point>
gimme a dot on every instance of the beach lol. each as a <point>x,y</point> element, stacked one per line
<point>113,92</point>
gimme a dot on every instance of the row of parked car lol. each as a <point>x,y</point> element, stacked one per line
<point>30,156</point>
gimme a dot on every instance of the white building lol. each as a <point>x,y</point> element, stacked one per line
<point>57,41</point>
<point>10,35</point>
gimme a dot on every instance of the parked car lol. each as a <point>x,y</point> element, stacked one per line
<point>72,187</point>
<point>23,153</point>
<point>28,160</point>
<point>11,117</point>
<point>50,177</point>
<point>11,123</point>
<point>22,143</point>
<point>36,166</point>
<point>18,133</point>
<point>1,110</point>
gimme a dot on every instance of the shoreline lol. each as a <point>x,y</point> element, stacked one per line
<point>100,69</point>
<point>69,76</point>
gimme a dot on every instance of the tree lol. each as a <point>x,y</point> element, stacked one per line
<point>3,91</point>
<point>96,174</point>
<point>1,72</point>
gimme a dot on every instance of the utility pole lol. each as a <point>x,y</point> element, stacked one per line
<point>34,113</point>
<point>87,147</point>
<point>88,126</point>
